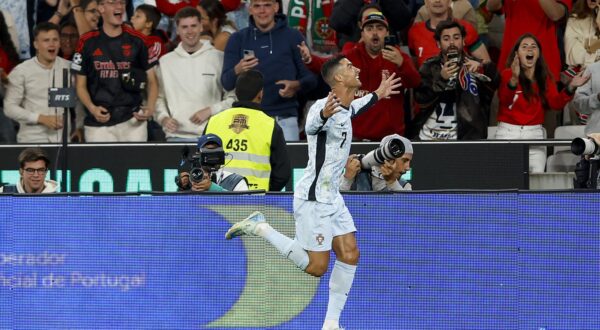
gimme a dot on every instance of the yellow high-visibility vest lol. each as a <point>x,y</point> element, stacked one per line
<point>246,135</point>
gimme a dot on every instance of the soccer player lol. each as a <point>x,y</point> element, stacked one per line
<point>322,219</point>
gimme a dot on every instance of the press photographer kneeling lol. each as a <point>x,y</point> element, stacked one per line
<point>380,169</point>
<point>586,170</point>
<point>203,172</point>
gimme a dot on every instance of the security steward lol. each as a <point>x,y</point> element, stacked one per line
<point>254,139</point>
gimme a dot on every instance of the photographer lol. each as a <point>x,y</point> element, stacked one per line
<point>586,170</point>
<point>455,92</point>
<point>383,177</point>
<point>203,171</point>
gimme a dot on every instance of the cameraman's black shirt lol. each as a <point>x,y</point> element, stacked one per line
<point>103,59</point>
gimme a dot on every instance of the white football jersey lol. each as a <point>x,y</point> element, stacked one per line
<point>328,149</point>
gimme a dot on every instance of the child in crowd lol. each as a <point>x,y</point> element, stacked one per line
<point>145,20</point>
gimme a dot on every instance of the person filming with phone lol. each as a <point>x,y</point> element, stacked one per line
<point>269,46</point>
<point>456,90</point>
<point>378,53</point>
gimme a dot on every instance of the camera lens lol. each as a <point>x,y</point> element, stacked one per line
<point>586,146</point>
<point>196,174</point>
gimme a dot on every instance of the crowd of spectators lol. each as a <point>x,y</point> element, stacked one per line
<point>158,70</point>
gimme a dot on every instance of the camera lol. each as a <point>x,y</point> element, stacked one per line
<point>392,149</point>
<point>585,146</point>
<point>207,159</point>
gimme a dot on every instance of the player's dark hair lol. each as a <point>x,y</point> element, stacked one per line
<point>329,69</point>
<point>152,14</point>
<point>248,85</point>
<point>446,25</point>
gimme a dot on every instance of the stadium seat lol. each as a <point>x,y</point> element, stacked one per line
<point>563,160</point>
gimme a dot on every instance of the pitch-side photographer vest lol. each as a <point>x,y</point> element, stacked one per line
<point>246,135</point>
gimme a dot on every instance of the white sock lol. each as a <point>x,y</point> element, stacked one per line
<point>340,283</point>
<point>288,247</point>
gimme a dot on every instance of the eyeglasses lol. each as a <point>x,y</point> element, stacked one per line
<point>30,170</point>
<point>114,2</point>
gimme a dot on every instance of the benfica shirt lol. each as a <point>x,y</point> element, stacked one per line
<point>103,59</point>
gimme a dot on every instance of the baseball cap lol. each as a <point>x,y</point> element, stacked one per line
<point>374,17</point>
<point>209,138</point>
<point>408,149</point>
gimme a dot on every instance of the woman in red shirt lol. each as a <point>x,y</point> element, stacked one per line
<point>527,89</point>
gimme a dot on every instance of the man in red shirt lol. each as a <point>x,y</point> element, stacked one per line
<point>421,40</point>
<point>373,59</point>
<point>538,17</point>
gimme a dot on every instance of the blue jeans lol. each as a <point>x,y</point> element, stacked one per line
<point>289,125</point>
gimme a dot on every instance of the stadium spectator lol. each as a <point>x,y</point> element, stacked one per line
<point>9,58</point>
<point>455,93</point>
<point>527,89</point>
<point>538,17</point>
<point>215,24</point>
<point>84,13</point>
<point>112,71</point>
<point>346,13</point>
<point>254,139</point>
<point>384,177</point>
<point>373,59</point>
<point>33,166</point>
<point>270,46</point>
<point>69,37</point>
<point>214,177</point>
<point>581,35</point>
<point>587,99</point>
<point>170,9</point>
<point>10,29</point>
<point>190,84</point>
<point>460,9</point>
<point>145,19</point>
<point>323,221</point>
<point>422,43</point>
<point>26,98</point>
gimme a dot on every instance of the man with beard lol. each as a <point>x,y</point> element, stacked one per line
<point>421,40</point>
<point>113,74</point>
<point>373,58</point>
<point>456,91</point>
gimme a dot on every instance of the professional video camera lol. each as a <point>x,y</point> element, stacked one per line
<point>208,160</point>
<point>389,150</point>
<point>205,158</point>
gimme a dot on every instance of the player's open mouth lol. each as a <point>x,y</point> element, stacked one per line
<point>118,14</point>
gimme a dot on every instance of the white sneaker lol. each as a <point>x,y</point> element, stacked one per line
<point>246,226</point>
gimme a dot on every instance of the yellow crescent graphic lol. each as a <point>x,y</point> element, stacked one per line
<point>275,290</point>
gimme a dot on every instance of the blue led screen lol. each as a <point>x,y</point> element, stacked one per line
<point>486,260</point>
